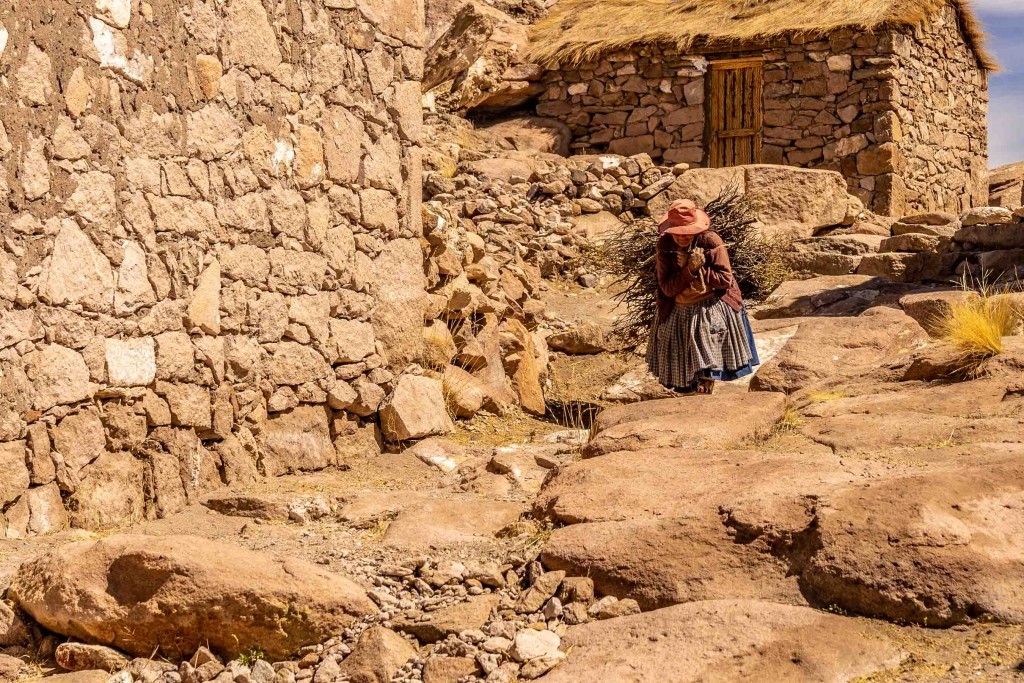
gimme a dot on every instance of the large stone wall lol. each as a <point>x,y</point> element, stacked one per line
<point>210,266</point>
<point>856,102</point>
<point>941,100</point>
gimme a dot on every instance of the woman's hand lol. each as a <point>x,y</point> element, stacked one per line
<point>695,260</point>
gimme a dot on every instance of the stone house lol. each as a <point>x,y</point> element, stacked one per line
<point>892,93</point>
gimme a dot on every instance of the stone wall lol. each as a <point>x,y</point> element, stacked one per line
<point>210,267</point>
<point>941,101</point>
<point>850,103</point>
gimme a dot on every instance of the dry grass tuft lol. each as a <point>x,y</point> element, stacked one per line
<point>790,422</point>
<point>578,31</point>
<point>825,396</point>
<point>976,326</point>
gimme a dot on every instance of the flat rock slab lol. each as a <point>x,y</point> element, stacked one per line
<point>726,640</point>
<point>172,594</point>
<point>707,422</point>
<point>266,506</point>
<point>829,295</point>
<point>472,614</point>
<point>839,347</point>
<point>434,524</point>
<point>979,411</point>
<point>938,546</point>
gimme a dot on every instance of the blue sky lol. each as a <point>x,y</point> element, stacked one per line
<point>1004,20</point>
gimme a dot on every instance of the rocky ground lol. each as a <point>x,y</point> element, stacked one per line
<point>854,517</point>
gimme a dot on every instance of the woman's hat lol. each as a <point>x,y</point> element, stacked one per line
<point>684,218</point>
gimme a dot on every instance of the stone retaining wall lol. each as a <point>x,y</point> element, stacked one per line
<point>876,106</point>
<point>210,264</point>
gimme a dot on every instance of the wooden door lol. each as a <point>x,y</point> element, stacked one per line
<point>735,112</point>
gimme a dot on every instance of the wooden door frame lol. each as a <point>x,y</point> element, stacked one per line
<point>758,130</point>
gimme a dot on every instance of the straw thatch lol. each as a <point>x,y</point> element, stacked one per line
<point>578,31</point>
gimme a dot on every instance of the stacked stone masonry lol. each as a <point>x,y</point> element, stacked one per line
<point>210,265</point>
<point>901,113</point>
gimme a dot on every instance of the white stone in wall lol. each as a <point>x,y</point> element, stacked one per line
<point>131,362</point>
<point>283,159</point>
<point>112,49</point>
<point>4,35</point>
<point>117,13</point>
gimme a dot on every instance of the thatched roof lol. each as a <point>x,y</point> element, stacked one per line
<point>576,31</point>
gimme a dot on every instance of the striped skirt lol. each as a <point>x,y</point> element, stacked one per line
<point>704,340</point>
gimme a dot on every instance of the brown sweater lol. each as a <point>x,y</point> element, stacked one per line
<point>674,280</point>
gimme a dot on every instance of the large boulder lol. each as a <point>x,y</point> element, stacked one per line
<point>724,640</point>
<point>173,594</point>
<point>785,199</point>
<point>531,133</point>
<point>795,200</point>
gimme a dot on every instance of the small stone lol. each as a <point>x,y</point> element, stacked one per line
<point>553,609</point>
<point>620,608</point>
<point>575,613</point>
<point>209,72</point>
<point>534,598</point>
<point>535,668</point>
<point>83,657</point>
<point>131,362</point>
<point>530,644</point>
<point>602,604</point>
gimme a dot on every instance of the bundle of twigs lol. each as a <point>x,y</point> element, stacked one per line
<point>758,262</point>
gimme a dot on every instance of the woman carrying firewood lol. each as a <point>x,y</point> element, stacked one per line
<point>702,333</point>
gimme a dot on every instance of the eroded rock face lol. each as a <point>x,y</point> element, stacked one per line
<point>176,593</point>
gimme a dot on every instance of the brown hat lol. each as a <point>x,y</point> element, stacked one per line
<point>684,218</point>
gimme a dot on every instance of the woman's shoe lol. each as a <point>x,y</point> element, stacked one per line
<point>706,386</point>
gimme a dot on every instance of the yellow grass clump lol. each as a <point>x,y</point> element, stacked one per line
<point>577,31</point>
<point>977,324</point>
